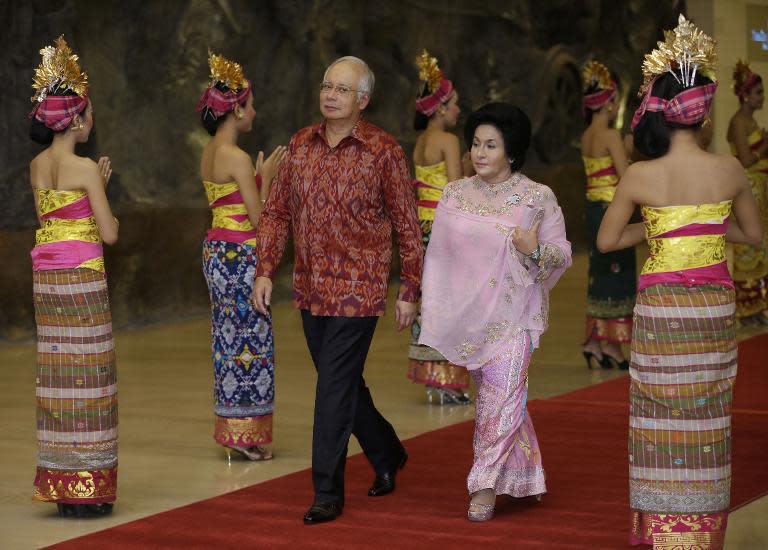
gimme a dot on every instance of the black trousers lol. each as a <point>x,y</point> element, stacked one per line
<point>343,403</point>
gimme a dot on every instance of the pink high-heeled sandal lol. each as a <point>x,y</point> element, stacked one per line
<point>480,512</point>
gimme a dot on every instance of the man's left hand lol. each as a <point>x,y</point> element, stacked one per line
<point>405,314</point>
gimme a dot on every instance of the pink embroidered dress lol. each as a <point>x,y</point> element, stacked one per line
<point>485,305</point>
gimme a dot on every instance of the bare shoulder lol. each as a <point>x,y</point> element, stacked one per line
<point>640,169</point>
<point>446,138</point>
<point>612,135</point>
<point>640,177</point>
<point>84,170</point>
<point>39,158</point>
<point>730,165</point>
<point>233,154</point>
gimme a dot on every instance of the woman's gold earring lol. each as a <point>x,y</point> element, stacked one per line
<point>77,124</point>
<point>237,112</point>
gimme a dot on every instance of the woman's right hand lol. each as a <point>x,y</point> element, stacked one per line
<point>268,168</point>
<point>105,170</point>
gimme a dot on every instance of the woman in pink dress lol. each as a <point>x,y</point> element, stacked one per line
<point>498,246</point>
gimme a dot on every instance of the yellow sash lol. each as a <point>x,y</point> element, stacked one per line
<point>600,188</point>
<point>436,177</point>
<point>684,252</point>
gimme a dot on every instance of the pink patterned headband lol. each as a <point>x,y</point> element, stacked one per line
<point>595,101</point>
<point>750,83</point>
<point>428,105</point>
<point>688,107</point>
<point>58,111</point>
<point>220,103</point>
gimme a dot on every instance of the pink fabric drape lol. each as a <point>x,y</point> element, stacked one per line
<point>478,291</point>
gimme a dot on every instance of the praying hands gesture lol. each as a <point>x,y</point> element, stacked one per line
<point>268,167</point>
<point>105,170</point>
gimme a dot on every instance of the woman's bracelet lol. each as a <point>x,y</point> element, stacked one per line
<point>535,256</point>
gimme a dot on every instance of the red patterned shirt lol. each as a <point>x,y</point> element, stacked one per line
<point>341,204</point>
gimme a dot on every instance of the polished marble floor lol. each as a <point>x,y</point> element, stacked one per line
<point>167,455</point>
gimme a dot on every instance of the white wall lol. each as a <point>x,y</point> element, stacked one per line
<point>726,20</point>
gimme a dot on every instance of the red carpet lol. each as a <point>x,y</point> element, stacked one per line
<point>583,441</point>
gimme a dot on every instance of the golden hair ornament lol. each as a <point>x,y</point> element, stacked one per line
<point>59,69</point>
<point>227,72</point>
<point>685,51</point>
<point>741,73</point>
<point>595,72</point>
<point>429,71</point>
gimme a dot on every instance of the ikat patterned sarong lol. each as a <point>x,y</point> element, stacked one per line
<point>242,348</point>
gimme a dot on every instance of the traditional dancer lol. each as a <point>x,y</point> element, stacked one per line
<point>498,247</point>
<point>242,343</point>
<point>612,277</point>
<point>437,158</point>
<point>344,188</point>
<point>76,383</point>
<point>749,145</point>
<point>683,363</point>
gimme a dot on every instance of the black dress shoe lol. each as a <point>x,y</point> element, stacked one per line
<point>384,483</point>
<point>321,512</point>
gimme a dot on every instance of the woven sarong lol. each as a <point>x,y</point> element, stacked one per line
<point>612,285</point>
<point>76,388</point>
<point>242,346</point>
<point>682,373</point>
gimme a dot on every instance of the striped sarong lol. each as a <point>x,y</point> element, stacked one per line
<point>76,388</point>
<point>682,373</point>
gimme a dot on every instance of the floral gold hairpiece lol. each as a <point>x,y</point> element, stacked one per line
<point>685,51</point>
<point>429,72</point>
<point>741,72</point>
<point>595,73</point>
<point>59,69</point>
<point>227,72</point>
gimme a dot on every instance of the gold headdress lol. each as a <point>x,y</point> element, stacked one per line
<point>59,69</point>
<point>429,72</point>
<point>743,78</point>
<point>685,50</point>
<point>227,72</point>
<point>595,72</point>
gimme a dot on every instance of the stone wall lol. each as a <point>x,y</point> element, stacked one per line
<point>147,66</point>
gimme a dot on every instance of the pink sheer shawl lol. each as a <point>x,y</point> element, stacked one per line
<point>477,290</point>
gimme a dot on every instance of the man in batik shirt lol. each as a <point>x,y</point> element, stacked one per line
<point>343,187</point>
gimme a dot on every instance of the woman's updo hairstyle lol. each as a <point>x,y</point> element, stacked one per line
<point>652,133</point>
<point>511,122</point>
<point>420,120</point>
<point>594,88</point>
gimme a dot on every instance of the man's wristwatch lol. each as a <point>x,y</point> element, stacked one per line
<point>535,256</point>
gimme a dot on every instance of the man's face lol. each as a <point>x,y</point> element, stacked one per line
<point>340,100</point>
